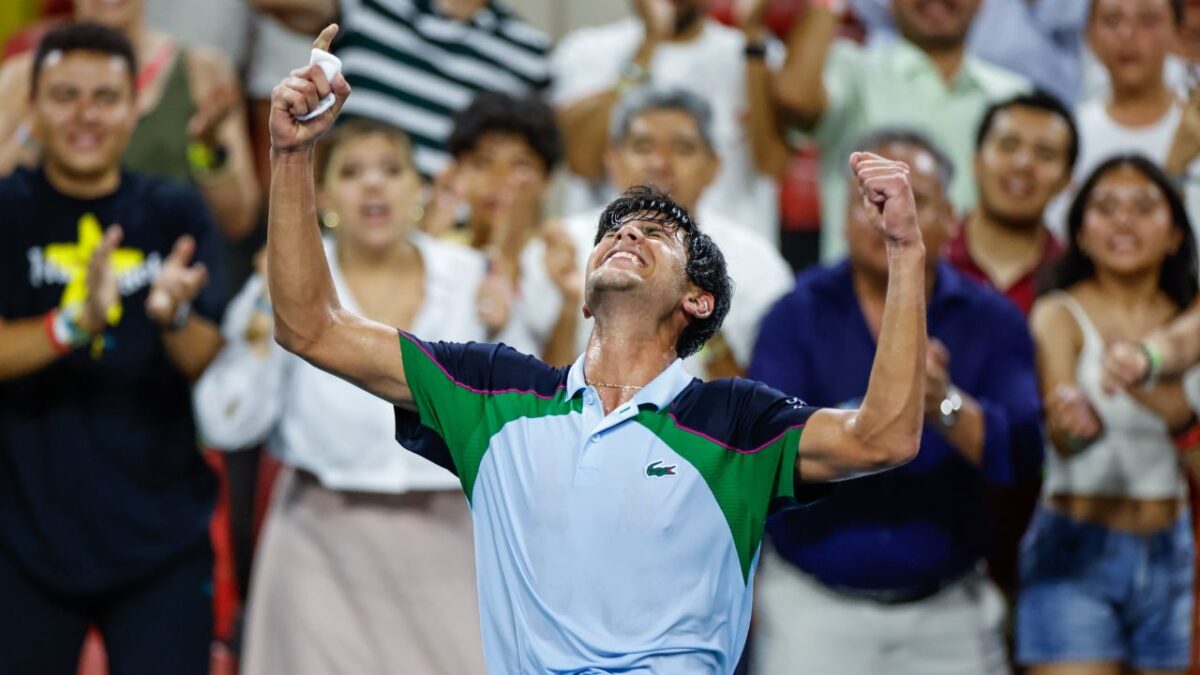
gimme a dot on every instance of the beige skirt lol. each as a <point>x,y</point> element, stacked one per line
<point>361,584</point>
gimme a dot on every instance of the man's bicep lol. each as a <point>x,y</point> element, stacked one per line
<point>366,354</point>
<point>829,451</point>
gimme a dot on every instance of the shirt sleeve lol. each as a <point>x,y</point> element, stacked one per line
<point>1007,392</point>
<point>845,71</point>
<point>780,420</point>
<point>581,67</point>
<point>463,393</point>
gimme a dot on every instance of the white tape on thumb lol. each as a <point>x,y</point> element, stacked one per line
<point>331,65</point>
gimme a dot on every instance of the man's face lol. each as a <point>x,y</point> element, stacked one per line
<point>664,148</point>
<point>1131,39</point>
<point>1022,164</point>
<point>935,214</point>
<point>502,177</point>
<point>84,111</point>
<point>641,259</point>
<point>118,14</point>
<point>935,24</point>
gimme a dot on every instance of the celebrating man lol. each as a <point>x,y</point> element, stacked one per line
<point>618,503</point>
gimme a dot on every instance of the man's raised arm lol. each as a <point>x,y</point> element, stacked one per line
<point>309,320</point>
<point>886,430</point>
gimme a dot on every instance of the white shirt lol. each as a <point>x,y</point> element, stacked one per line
<point>1101,137</point>
<point>316,421</point>
<point>713,65</point>
<point>760,277</point>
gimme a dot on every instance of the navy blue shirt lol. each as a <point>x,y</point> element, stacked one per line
<point>925,523</point>
<point>101,480</point>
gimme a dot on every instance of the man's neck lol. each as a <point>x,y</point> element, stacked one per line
<point>947,60</point>
<point>91,187</point>
<point>1004,251</point>
<point>462,10</point>
<point>623,351</point>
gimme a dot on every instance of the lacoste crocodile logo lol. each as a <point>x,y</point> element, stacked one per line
<point>656,471</point>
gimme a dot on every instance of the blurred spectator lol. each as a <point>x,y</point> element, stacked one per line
<point>673,43</point>
<point>664,138</point>
<point>361,540</point>
<point>1107,565</point>
<point>926,80</point>
<point>1040,39</point>
<point>885,575</point>
<point>106,499</point>
<point>505,149</point>
<point>192,123</point>
<point>1024,153</point>
<point>416,63</point>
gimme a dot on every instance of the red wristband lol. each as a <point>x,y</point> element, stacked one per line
<point>48,325</point>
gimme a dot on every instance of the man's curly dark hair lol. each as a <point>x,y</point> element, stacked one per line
<point>705,265</point>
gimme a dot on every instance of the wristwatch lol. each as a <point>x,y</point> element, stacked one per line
<point>949,407</point>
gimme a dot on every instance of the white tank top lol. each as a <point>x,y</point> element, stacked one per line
<point>1134,457</point>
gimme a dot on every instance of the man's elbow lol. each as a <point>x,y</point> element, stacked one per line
<point>297,339</point>
<point>893,455</point>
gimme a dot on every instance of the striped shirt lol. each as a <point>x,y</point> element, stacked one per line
<point>415,68</point>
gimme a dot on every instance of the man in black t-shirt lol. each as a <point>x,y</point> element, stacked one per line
<point>104,497</point>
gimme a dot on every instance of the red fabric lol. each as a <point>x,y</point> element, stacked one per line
<point>1024,291</point>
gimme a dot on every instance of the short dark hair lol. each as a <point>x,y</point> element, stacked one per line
<point>1177,10</point>
<point>84,36</point>
<point>1038,100</point>
<point>497,112</point>
<point>357,127</point>
<point>705,265</point>
<point>1178,277</point>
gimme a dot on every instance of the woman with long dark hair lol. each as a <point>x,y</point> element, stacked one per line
<point>1106,566</point>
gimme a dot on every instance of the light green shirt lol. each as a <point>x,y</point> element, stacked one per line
<point>898,85</point>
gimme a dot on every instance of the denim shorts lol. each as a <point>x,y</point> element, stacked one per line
<point>1090,593</point>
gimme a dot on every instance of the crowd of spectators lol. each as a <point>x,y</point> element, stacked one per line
<point>1045,525</point>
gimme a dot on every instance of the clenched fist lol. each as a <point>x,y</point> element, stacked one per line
<point>299,93</point>
<point>887,198</point>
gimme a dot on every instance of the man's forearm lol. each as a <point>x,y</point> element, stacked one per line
<point>194,346</point>
<point>799,86</point>
<point>25,347</point>
<point>892,410</point>
<point>767,140</point>
<point>301,287</point>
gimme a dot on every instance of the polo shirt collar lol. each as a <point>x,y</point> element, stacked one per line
<point>659,392</point>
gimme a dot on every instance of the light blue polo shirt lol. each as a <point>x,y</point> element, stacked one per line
<point>624,542</point>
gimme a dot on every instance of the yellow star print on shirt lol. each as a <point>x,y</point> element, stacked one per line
<point>73,259</point>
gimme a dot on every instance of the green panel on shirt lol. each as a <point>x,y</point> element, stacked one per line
<point>465,418</point>
<point>743,483</point>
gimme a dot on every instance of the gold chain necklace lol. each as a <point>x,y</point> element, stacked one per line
<point>622,387</point>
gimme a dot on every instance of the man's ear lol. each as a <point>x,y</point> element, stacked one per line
<point>699,304</point>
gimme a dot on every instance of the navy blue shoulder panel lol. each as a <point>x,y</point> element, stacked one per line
<point>743,414</point>
<point>488,368</point>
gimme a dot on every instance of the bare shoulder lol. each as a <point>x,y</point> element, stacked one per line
<point>1051,320</point>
